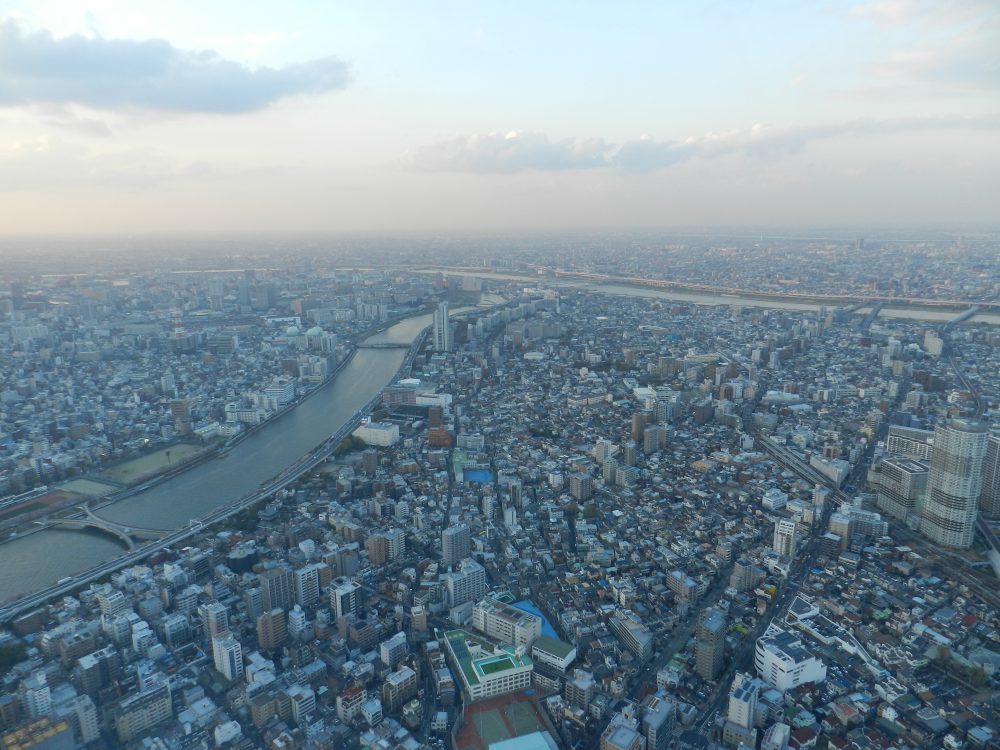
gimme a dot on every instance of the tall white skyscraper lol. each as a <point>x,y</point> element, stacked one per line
<point>442,329</point>
<point>955,482</point>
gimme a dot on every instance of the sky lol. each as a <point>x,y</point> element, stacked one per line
<point>382,117</point>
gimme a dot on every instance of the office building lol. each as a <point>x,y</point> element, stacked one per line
<point>442,329</point>
<point>227,654</point>
<point>902,487</point>
<point>954,483</point>
<point>710,644</point>
<point>783,662</point>
<point>456,542</point>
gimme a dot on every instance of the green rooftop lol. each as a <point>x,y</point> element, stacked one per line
<point>497,658</point>
<point>553,646</point>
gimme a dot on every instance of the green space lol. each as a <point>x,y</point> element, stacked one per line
<point>150,464</point>
<point>497,665</point>
<point>88,487</point>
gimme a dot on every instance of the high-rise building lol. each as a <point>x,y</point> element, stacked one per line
<point>710,644</point>
<point>784,538</point>
<point>742,711</point>
<point>277,588</point>
<point>909,442</point>
<point>228,656</point>
<point>455,544</point>
<point>442,329</point>
<point>307,584</point>
<point>579,690</point>
<point>398,688</point>
<point>902,486</point>
<point>581,485</point>
<point>36,696</point>
<point>86,718</point>
<point>955,482</point>
<point>272,629</point>
<point>989,497</point>
<point>141,712</point>
<point>392,650</point>
<point>345,598</point>
<point>384,546</point>
<point>214,620</point>
<point>467,584</point>
<point>658,719</point>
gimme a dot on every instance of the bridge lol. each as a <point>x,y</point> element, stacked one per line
<point>960,318</point>
<point>866,324</point>
<point>383,345</point>
<point>128,535</point>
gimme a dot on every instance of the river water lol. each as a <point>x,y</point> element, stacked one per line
<point>41,558</point>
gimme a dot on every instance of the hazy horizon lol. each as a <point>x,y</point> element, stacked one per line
<point>138,117</point>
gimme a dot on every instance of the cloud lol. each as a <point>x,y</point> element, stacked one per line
<point>36,67</point>
<point>514,151</point>
<point>494,153</point>
<point>953,47</point>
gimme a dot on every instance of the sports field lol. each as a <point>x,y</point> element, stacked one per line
<point>145,466</point>
<point>500,718</point>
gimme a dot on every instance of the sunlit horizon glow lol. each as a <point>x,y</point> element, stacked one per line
<point>135,117</point>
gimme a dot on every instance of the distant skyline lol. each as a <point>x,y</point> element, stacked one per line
<point>355,117</point>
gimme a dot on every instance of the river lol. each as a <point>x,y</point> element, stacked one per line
<point>41,558</point>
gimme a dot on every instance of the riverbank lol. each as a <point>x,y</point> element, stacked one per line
<point>33,562</point>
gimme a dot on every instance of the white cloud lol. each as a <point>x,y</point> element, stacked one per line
<point>495,152</point>
<point>37,67</point>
